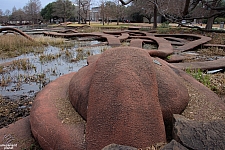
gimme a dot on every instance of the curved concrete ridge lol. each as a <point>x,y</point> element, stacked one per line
<point>18,31</point>
<point>176,39</point>
<point>176,43</point>
<point>19,133</point>
<point>136,33</point>
<point>114,32</point>
<point>54,122</point>
<point>190,45</point>
<point>139,42</point>
<point>205,65</point>
<point>68,30</point>
<point>214,45</point>
<point>164,47</point>
<point>68,35</point>
<point>123,37</point>
<point>193,44</point>
<point>112,40</point>
<point>204,104</point>
<point>136,43</point>
<point>174,58</point>
<point>93,58</point>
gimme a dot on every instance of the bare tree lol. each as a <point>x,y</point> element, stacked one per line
<point>103,11</point>
<point>7,15</point>
<point>119,11</point>
<point>84,10</point>
<point>1,16</point>
<point>178,10</point>
<point>14,9</point>
<point>18,15</point>
<point>151,3</point>
<point>32,10</point>
<point>144,8</point>
<point>85,6</point>
<point>109,9</point>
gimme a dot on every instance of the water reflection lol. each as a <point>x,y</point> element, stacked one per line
<point>46,67</point>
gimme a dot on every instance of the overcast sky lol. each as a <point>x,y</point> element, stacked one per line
<point>9,4</point>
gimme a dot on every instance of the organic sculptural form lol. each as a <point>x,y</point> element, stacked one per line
<point>124,95</point>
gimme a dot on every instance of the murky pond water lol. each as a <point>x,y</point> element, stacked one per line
<point>29,73</point>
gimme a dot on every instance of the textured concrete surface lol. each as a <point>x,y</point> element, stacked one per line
<point>204,65</point>
<point>172,92</point>
<point>196,40</point>
<point>18,135</point>
<point>123,105</point>
<point>54,122</point>
<point>122,94</point>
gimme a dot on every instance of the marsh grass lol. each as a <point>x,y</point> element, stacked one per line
<point>217,38</point>
<point>1,69</point>
<point>5,80</point>
<point>48,57</point>
<point>212,51</point>
<point>47,40</point>
<point>15,45</point>
<point>23,64</point>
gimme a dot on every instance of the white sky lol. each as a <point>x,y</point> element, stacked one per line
<point>9,4</point>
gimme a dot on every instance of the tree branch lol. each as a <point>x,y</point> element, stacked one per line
<point>125,3</point>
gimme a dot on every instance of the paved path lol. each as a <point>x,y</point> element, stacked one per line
<point>205,65</point>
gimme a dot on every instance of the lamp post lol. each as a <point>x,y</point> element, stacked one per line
<point>90,13</point>
<point>79,12</point>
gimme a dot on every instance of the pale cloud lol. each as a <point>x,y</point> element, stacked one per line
<point>9,4</point>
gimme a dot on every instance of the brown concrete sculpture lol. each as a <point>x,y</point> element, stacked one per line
<point>204,65</point>
<point>196,40</point>
<point>126,95</point>
<point>122,96</point>
<point>18,31</point>
<point>117,94</point>
<point>112,40</point>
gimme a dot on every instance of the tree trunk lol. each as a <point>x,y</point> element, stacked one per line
<point>155,17</point>
<point>149,19</point>
<point>117,21</point>
<point>209,23</point>
<point>187,3</point>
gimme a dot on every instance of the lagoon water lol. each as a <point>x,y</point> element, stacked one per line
<point>46,67</point>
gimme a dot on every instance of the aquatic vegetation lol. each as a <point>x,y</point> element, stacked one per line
<point>15,45</point>
<point>23,64</point>
<point>5,80</point>
<point>49,40</point>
